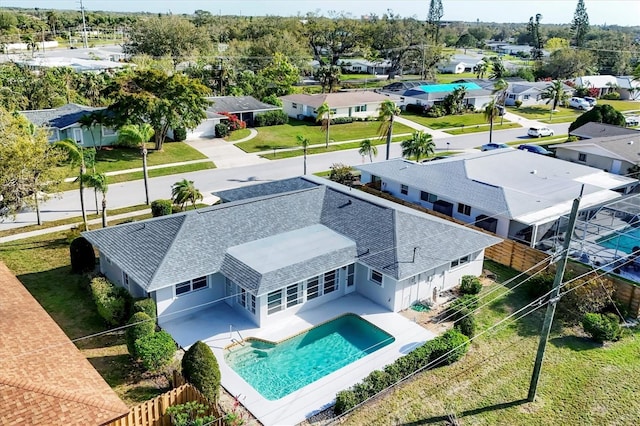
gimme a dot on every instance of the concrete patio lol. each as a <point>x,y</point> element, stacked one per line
<point>213,324</point>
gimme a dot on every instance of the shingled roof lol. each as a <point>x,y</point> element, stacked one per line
<point>44,379</point>
<point>161,252</point>
<point>61,118</point>
<point>238,104</point>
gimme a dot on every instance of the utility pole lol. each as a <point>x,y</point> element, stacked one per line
<point>84,27</point>
<point>554,297</point>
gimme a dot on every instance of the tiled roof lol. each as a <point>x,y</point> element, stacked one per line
<point>198,243</point>
<point>592,130</point>
<point>60,118</point>
<point>44,379</point>
<point>335,100</point>
<point>237,104</point>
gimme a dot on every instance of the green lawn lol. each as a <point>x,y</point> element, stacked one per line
<point>541,113</point>
<point>236,135</point>
<point>111,159</point>
<point>450,78</point>
<point>284,136</point>
<point>582,383</point>
<point>450,121</point>
<point>621,105</point>
<point>483,128</point>
<point>278,155</point>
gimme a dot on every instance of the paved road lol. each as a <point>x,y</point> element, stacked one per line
<point>132,193</point>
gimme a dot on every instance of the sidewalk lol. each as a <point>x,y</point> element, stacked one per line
<point>139,169</point>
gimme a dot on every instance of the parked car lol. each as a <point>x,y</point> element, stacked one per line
<point>631,121</point>
<point>592,101</point>
<point>492,146</point>
<point>536,149</point>
<point>538,132</point>
<point>579,103</point>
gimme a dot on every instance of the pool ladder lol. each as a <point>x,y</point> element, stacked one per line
<point>240,342</point>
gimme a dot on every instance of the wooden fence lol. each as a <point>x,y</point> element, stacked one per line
<point>524,258</point>
<point>154,411</point>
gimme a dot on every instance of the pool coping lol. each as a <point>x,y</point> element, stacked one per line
<point>314,397</point>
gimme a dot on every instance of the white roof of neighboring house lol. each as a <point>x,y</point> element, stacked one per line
<point>75,63</point>
<point>597,81</point>
<point>335,100</point>
<point>625,147</point>
<point>520,185</point>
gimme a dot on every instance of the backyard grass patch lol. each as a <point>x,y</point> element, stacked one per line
<point>284,136</point>
<point>582,382</point>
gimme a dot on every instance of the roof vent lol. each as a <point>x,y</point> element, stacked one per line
<point>534,172</point>
<point>630,143</point>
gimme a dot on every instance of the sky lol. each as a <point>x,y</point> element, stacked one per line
<point>610,12</point>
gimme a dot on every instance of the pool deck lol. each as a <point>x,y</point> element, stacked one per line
<point>211,325</point>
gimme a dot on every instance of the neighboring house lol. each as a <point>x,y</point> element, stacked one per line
<point>44,378</point>
<point>529,92</point>
<point>63,123</point>
<point>453,67</point>
<point>628,89</point>
<point>615,154</point>
<point>593,130</point>
<point>291,246</point>
<point>433,94</point>
<point>343,104</point>
<point>359,65</point>
<point>77,64</point>
<point>244,107</point>
<point>513,193</point>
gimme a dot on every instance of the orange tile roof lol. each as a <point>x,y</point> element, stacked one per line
<point>44,379</point>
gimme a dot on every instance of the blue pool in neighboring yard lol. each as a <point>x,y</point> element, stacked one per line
<point>624,241</point>
<point>276,370</point>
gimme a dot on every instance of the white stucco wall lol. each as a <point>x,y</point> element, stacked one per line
<point>114,274</point>
<point>171,306</point>
<point>383,295</point>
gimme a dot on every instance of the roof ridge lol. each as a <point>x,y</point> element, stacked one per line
<point>60,394</point>
<point>164,258</point>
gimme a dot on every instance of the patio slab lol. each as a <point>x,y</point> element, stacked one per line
<point>212,326</point>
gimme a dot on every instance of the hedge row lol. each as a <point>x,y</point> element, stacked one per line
<point>433,353</point>
<point>470,285</point>
<point>113,302</point>
<point>271,118</point>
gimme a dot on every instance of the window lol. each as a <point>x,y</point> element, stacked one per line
<point>464,209</point>
<point>293,295</point>
<point>526,97</point>
<point>429,198</point>
<point>191,285</point>
<point>55,135</point>
<point>404,189</point>
<point>246,300</point>
<point>459,262</point>
<point>274,302</point>
<point>351,272</point>
<point>313,288</point>
<point>582,157</point>
<point>361,108</point>
<point>294,105</point>
<point>330,284</point>
<point>512,96</point>
<point>125,280</point>
<point>333,111</point>
<point>108,131</point>
<point>376,277</point>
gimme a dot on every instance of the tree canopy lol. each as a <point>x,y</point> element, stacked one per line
<point>600,114</point>
<point>580,24</point>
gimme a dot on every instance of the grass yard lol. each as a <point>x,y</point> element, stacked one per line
<point>236,135</point>
<point>541,113</point>
<point>450,78</point>
<point>452,121</point>
<point>581,382</point>
<point>321,149</point>
<point>621,105</point>
<point>482,128</point>
<point>284,136</point>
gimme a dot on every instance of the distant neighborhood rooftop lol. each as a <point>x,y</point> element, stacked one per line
<point>593,130</point>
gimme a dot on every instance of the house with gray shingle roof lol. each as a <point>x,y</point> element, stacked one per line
<point>288,248</point>
<point>64,123</point>
<point>343,104</point>
<point>592,130</point>
<point>512,193</point>
<point>529,92</point>
<point>615,154</point>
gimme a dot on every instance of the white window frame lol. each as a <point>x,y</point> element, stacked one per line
<point>293,298</point>
<point>190,284</point>
<point>316,288</point>
<point>330,284</point>
<point>582,157</point>
<point>78,130</point>
<point>276,307</point>
<point>464,209</point>
<point>372,277</point>
<point>404,189</point>
<point>351,275</point>
<point>108,131</point>
<point>460,262</point>
<point>430,198</point>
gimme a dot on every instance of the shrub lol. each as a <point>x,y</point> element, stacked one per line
<point>161,208</point>
<point>470,285</point>
<point>590,295</point>
<point>222,130</point>
<point>190,413</point>
<point>452,341</point>
<point>270,118</point>
<point>345,401</point>
<point>462,306</point>
<point>614,96</point>
<point>176,209</point>
<point>179,134</point>
<point>113,302</point>
<point>140,325</point>
<point>233,122</point>
<point>200,368</point>
<point>602,327</point>
<point>435,111</point>
<point>83,258</point>
<point>466,325</point>
<point>147,305</point>
<point>418,109</point>
<point>538,285</point>
<point>155,350</point>
<point>272,99</point>
<point>341,120</point>
<point>517,103</point>
<point>341,173</point>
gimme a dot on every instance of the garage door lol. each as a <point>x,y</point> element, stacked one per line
<point>206,129</point>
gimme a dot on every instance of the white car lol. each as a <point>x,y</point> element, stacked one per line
<point>631,121</point>
<point>579,103</point>
<point>538,132</point>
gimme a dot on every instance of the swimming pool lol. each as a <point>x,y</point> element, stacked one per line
<point>277,369</point>
<point>624,240</point>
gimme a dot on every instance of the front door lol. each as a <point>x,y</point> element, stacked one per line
<point>77,136</point>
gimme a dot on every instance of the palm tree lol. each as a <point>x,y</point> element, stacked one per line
<point>490,112</point>
<point>388,111</point>
<point>500,90</point>
<point>305,144</point>
<point>481,69</point>
<point>497,68</point>
<point>323,114</point>
<point>138,135</point>
<point>420,145</point>
<point>555,93</point>
<point>184,191</point>
<point>367,148</point>
<point>76,157</point>
<point>98,181</point>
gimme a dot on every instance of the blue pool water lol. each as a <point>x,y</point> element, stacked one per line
<point>448,87</point>
<point>276,370</point>
<point>624,241</point>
